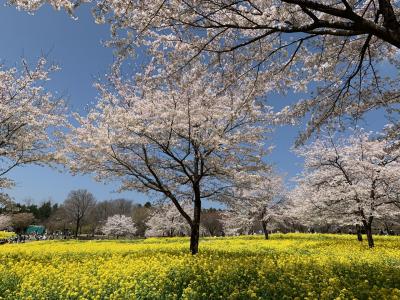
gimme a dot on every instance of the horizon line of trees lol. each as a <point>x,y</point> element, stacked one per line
<point>125,218</point>
<point>82,214</point>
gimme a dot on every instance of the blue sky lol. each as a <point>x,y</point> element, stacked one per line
<point>75,45</point>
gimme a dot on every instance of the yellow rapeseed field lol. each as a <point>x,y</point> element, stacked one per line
<point>292,266</point>
<point>6,234</point>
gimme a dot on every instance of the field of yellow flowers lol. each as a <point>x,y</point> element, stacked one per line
<point>292,266</point>
<point>6,234</point>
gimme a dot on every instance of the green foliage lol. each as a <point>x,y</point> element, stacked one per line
<point>41,213</point>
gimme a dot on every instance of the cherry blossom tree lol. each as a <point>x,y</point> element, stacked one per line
<point>350,180</point>
<point>335,49</point>
<point>33,5</point>
<point>167,221</point>
<point>258,204</point>
<point>30,118</point>
<point>337,46</point>
<point>5,201</point>
<point>185,138</point>
<point>5,221</point>
<point>211,222</point>
<point>302,212</point>
<point>119,225</point>
<point>21,221</point>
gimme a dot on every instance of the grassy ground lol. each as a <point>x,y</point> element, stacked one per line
<point>285,267</point>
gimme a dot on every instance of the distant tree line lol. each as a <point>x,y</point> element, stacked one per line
<point>80,215</point>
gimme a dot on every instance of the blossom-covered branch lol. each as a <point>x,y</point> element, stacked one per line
<point>30,118</point>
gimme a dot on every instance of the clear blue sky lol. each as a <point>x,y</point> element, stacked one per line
<point>75,45</point>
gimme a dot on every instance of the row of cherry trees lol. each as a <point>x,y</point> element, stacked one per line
<point>349,181</point>
<point>192,125</point>
<point>191,141</point>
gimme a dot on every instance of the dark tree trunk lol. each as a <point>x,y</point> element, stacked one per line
<point>387,228</point>
<point>359,235</point>
<point>265,230</point>
<point>78,221</point>
<point>368,231</point>
<point>327,227</point>
<point>194,238</point>
<point>195,228</point>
